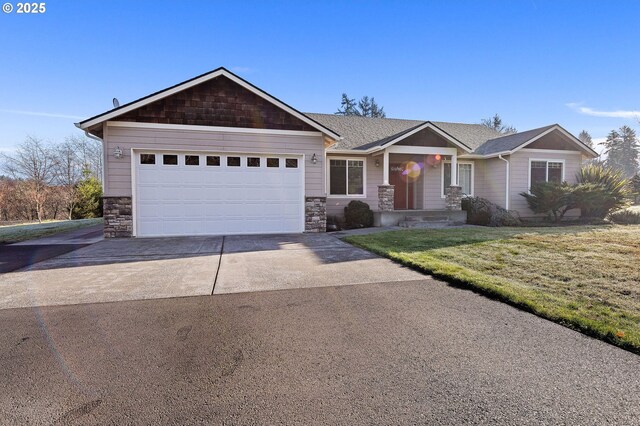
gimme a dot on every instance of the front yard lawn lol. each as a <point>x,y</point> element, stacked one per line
<point>16,233</point>
<point>587,278</point>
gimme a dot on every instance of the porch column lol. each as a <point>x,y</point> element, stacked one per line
<point>385,191</point>
<point>385,167</point>
<point>454,170</point>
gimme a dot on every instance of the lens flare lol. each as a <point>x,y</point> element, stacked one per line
<point>411,171</point>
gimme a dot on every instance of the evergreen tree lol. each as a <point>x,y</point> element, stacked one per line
<point>495,123</point>
<point>366,107</point>
<point>347,106</point>
<point>623,151</point>
<point>585,138</point>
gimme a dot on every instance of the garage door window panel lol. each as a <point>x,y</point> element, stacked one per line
<point>291,163</point>
<point>273,162</point>
<point>191,160</point>
<point>147,159</point>
<point>253,161</point>
<point>213,160</point>
<point>233,162</point>
<point>170,160</point>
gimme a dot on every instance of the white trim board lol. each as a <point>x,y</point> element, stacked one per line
<point>160,126</point>
<point>199,80</point>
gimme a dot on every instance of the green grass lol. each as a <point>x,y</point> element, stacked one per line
<point>584,277</point>
<point>23,232</point>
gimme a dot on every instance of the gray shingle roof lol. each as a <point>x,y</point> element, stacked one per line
<point>509,142</point>
<point>359,131</point>
<point>362,133</point>
<point>472,135</point>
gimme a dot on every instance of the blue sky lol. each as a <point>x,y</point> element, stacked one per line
<point>535,62</point>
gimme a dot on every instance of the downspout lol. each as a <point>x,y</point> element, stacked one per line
<point>104,149</point>
<point>506,204</point>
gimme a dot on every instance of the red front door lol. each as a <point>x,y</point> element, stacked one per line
<point>404,194</point>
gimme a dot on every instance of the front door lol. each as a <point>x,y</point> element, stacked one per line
<point>404,191</point>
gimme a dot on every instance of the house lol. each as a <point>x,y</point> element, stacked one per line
<point>217,155</point>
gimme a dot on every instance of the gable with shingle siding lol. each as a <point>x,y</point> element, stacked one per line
<point>217,102</point>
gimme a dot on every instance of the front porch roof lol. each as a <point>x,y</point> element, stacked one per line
<point>363,135</point>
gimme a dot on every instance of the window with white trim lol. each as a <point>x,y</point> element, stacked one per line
<point>346,177</point>
<point>465,177</point>
<point>546,171</point>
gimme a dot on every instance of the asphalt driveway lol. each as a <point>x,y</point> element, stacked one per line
<point>19,255</point>
<point>153,268</point>
<point>416,352</point>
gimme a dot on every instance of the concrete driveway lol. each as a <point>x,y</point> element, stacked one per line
<point>152,268</point>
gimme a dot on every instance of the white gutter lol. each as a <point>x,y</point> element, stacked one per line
<point>506,204</point>
<point>104,151</point>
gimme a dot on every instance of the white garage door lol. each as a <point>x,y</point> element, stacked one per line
<point>217,193</point>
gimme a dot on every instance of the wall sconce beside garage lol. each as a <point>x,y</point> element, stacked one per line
<point>117,153</point>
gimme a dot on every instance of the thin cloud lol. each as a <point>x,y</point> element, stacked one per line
<point>609,114</point>
<point>41,114</point>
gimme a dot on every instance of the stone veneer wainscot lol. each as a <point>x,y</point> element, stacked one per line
<point>118,217</point>
<point>315,214</point>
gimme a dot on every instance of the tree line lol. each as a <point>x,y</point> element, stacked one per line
<point>42,180</point>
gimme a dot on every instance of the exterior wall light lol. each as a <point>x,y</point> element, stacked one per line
<point>314,158</point>
<point>377,163</point>
<point>117,153</point>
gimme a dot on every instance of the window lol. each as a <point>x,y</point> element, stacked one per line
<point>465,177</point>
<point>170,159</point>
<point>192,160</point>
<point>291,163</point>
<point>273,162</point>
<point>213,160</point>
<point>346,177</point>
<point>545,171</point>
<point>147,159</point>
<point>253,162</point>
<point>233,161</point>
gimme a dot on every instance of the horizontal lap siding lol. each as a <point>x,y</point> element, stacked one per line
<point>336,205</point>
<point>118,172</point>
<point>490,180</point>
<point>520,176</point>
<point>433,187</point>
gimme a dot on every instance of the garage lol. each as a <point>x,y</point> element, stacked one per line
<point>217,193</point>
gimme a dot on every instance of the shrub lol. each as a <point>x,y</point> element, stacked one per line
<point>89,199</point>
<point>600,190</point>
<point>481,211</point>
<point>358,214</point>
<point>550,198</point>
<point>625,217</point>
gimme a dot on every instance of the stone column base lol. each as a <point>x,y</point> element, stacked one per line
<point>315,214</point>
<point>385,197</point>
<point>118,217</point>
<point>453,198</point>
